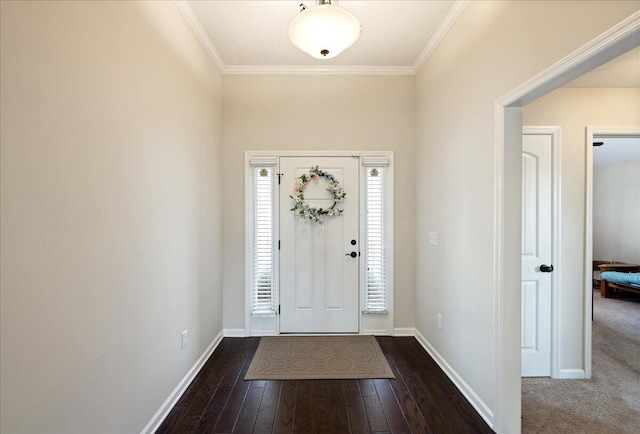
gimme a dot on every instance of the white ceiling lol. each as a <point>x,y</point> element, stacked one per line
<point>252,36</point>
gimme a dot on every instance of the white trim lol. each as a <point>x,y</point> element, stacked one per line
<point>264,333</point>
<point>319,70</point>
<point>235,333</point>
<point>404,331</point>
<point>592,131</point>
<point>440,33</point>
<point>481,407</point>
<point>498,247</point>
<point>615,41</point>
<point>556,260</point>
<point>263,160</point>
<point>375,332</point>
<point>572,374</point>
<point>168,404</point>
<point>196,27</point>
<point>375,160</point>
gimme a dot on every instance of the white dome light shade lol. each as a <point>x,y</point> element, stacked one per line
<point>324,31</point>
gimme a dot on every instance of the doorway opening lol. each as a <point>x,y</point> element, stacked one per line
<point>508,201</point>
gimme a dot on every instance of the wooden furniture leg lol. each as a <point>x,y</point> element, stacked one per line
<point>605,290</point>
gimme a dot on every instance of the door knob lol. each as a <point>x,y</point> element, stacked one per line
<point>546,268</point>
<point>352,254</point>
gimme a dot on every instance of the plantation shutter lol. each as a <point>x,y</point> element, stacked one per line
<point>376,242</point>
<point>263,273</point>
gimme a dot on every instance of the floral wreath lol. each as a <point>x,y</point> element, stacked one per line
<point>304,210</point>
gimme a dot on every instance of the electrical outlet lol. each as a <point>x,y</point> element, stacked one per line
<point>185,338</point>
<point>439,321</point>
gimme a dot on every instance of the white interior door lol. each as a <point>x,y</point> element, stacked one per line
<point>536,254</point>
<point>318,276</point>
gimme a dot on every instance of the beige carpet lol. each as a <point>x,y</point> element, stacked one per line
<point>318,358</point>
<point>609,402</point>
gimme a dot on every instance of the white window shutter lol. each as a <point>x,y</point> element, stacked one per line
<point>263,266</point>
<point>376,242</point>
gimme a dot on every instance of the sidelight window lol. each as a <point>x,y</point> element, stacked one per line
<point>376,240</point>
<point>263,270</point>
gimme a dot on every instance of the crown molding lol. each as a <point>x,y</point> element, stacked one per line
<point>196,27</point>
<point>319,70</point>
<point>437,37</point>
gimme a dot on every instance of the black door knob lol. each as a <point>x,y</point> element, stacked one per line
<point>546,268</point>
<point>352,254</point>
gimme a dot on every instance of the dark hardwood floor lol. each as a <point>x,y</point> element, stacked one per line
<point>420,400</point>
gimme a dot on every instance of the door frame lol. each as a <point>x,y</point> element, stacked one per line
<point>368,324</point>
<point>615,41</point>
<point>592,131</point>
<point>556,170</point>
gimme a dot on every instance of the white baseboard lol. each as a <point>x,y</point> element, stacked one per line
<point>162,413</point>
<point>381,332</point>
<point>404,331</point>
<point>571,374</point>
<point>457,380</point>
<point>234,333</point>
<point>264,333</point>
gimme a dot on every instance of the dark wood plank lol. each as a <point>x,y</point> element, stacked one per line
<point>408,406</point>
<point>303,421</point>
<point>207,370</point>
<point>427,379</point>
<point>338,413</point>
<point>395,419</point>
<point>218,400</point>
<point>357,414</point>
<point>377,421</point>
<point>267,410</point>
<point>250,407</point>
<point>329,408</point>
<point>411,371</point>
<point>231,412</point>
<point>283,422</point>
<point>210,378</point>
<point>406,399</point>
<point>178,422</point>
<point>421,399</point>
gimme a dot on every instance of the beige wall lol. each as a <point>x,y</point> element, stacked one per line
<point>110,212</point>
<point>492,48</point>
<point>318,113</point>
<point>573,109</point>
<point>616,212</point>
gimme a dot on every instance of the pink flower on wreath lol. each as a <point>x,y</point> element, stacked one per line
<point>296,189</point>
<point>315,176</point>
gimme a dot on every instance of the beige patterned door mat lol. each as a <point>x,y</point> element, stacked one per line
<point>318,358</point>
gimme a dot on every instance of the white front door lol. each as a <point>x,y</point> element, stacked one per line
<point>536,254</point>
<point>318,275</point>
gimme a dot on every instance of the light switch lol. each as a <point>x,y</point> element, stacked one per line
<point>433,238</point>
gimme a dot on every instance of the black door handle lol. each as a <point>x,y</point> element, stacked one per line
<point>352,254</point>
<point>546,268</point>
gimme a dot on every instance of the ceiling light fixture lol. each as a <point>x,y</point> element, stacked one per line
<point>324,30</point>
